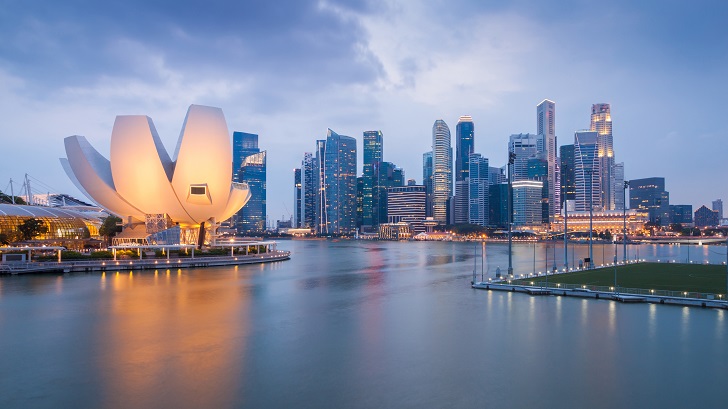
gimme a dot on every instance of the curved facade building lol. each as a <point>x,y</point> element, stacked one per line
<point>442,170</point>
<point>142,182</point>
<point>61,224</point>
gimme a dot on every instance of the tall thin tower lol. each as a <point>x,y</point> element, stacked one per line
<point>372,161</point>
<point>546,126</point>
<point>442,170</point>
<point>601,123</point>
<point>464,147</point>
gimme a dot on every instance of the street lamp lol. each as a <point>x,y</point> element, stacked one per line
<point>624,228</point>
<point>589,172</point>
<point>511,160</point>
<point>566,244</point>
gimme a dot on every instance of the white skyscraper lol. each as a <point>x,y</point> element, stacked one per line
<point>546,126</point>
<point>442,170</point>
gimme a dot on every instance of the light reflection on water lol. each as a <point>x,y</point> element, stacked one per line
<point>345,324</point>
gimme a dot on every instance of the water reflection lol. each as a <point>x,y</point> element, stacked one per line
<point>346,325</point>
<point>183,329</point>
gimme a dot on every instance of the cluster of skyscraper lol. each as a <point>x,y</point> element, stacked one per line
<point>584,173</point>
<point>545,179</point>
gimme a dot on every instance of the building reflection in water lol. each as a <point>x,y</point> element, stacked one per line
<point>171,327</point>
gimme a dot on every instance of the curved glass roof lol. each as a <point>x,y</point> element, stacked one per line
<point>39,211</point>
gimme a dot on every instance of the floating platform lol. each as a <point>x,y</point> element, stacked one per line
<point>604,295</point>
<point>538,291</point>
<point>628,298</point>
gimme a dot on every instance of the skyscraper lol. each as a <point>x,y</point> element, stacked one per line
<point>618,193</point>
<point>568,181</point>
<point>649,195</point>
<point>525,146</point>
<point>297,198</point>
<point>546,126</point>
<point>407,204</point>
<point>538,170</point>
<point>340,184</point>
<point>601,123</point>
<point>372,155</point>
<point>464,147</point>
<point>442,172</point>
<point>427,170</point>
<point>586,171</point>
<point>309,188</point>
<point>249,166</point>
<point>251,218</point>
<point>388,176</point>
<point>244,145</point>
<point>320,202</point>
<point>718,207</point>
<point>527,209</point>
<point>478,190</point>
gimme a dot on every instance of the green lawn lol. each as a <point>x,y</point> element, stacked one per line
<point>650,276</point>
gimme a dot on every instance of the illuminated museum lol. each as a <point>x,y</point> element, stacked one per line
<point>161,199</point>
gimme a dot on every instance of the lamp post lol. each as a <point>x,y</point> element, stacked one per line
<point>624,215</point>
<point>566,243</point>
<point>591,211</point>
<point>511,160</point>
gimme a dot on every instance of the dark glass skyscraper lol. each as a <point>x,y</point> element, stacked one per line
<point>340,184</point>
<point>249,166</point>
<point>464,147</point>
<point>297,198</point>
<point>373,150</point>
<point>649,195</point>
<point>244,145</point>
<point>427,169</point>
<point>568,177</point>
<point>388,176</point>
<point>309,186</point>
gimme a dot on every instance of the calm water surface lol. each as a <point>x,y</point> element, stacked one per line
<point>352,325</point>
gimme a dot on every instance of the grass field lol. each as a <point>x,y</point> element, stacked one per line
<point>650,276</point>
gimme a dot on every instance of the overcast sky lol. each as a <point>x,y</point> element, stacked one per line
<point>289,69</point>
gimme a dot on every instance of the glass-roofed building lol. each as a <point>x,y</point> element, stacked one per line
<point>62,224</point>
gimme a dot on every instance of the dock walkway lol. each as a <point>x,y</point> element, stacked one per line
<point>85,266</point>
<point>604,295</point>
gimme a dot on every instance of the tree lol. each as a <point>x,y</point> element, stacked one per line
<point>9,199</point>
<point>31,228</point>
<point>676,227</point>
<point>110,227</point>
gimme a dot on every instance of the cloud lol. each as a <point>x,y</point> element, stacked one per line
<point>289,69</point>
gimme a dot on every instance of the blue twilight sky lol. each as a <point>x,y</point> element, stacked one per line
<point>289,69</point>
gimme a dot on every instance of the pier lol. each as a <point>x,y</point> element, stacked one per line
<point>697,300</point>
<point>86,266</point>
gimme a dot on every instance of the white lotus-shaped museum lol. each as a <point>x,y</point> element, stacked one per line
<point>141,179</point>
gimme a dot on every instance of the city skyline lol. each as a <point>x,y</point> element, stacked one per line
<point>365,67</point>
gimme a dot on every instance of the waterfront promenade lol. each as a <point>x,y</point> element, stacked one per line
<point>75,266</point>
<point>667,288</point>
